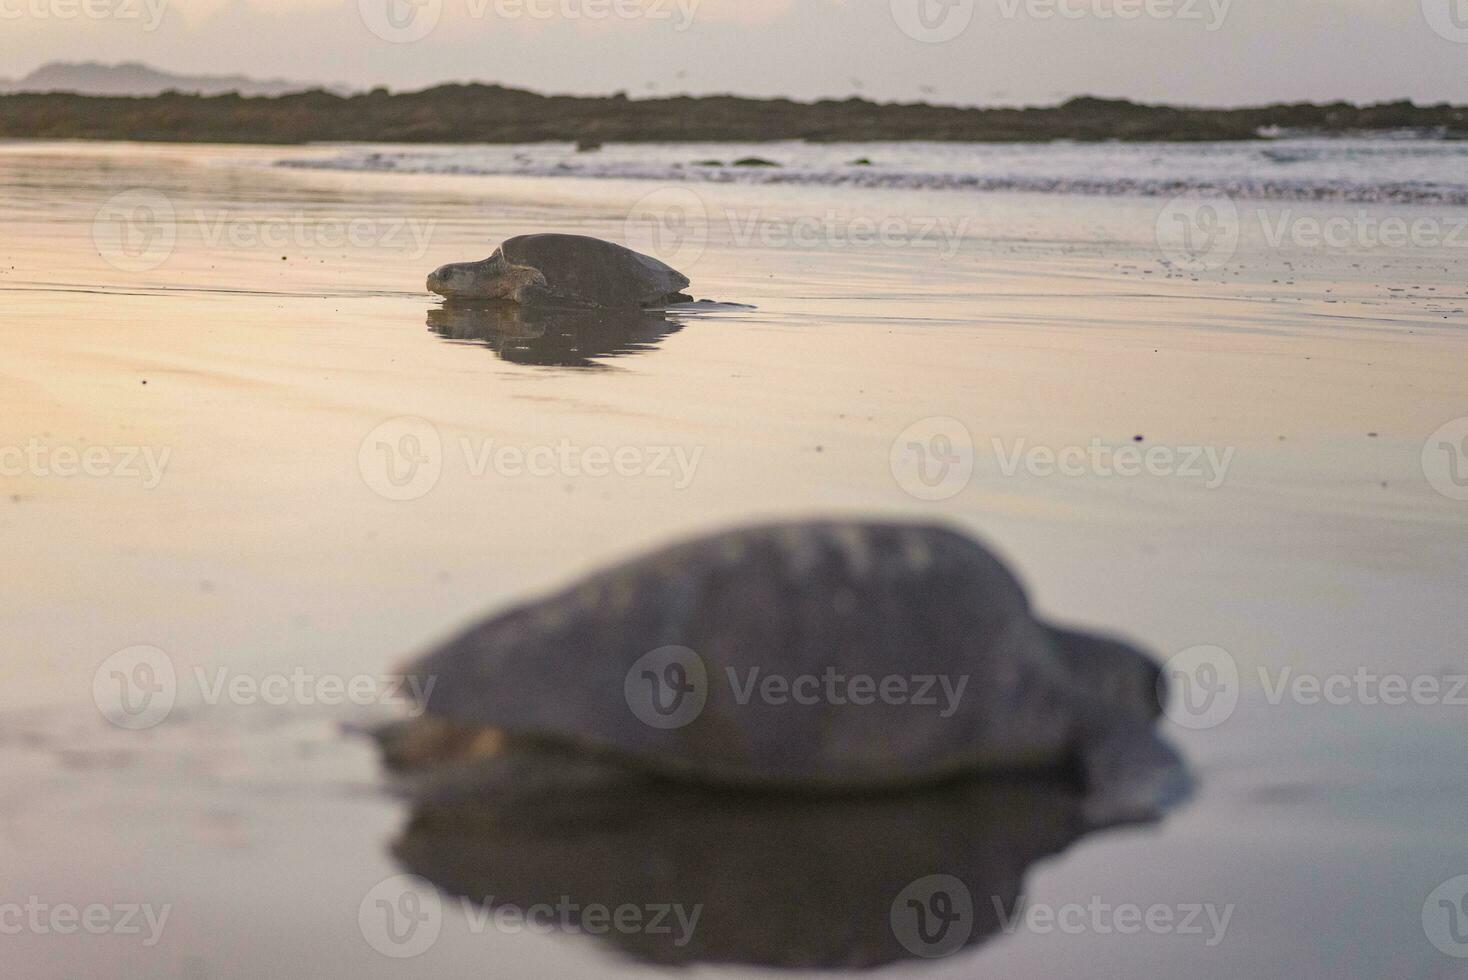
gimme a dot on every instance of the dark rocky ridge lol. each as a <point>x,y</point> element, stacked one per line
<point>494,114</point>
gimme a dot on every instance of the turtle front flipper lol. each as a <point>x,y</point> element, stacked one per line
<point>431,759</point>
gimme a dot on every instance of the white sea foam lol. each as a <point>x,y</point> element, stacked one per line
<point>1404,170</point>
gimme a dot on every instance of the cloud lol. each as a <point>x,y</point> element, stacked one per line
<point>744,11</point>
<point>532,17</point>
<point>198,11</point>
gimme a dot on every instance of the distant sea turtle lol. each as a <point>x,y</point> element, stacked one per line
<point>563,269</point>
<point>817,656</point>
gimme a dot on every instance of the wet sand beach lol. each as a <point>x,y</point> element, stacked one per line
<point>235,430</point>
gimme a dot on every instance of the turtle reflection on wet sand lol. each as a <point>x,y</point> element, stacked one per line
<point>552,337</point>
<point>771,880</point>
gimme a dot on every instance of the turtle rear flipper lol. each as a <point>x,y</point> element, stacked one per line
<point>1131,775</point>
<point>1112,671</point>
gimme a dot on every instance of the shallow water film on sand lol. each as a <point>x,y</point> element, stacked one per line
<point>251,471</point>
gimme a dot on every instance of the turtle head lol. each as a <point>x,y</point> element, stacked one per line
<point>467,280</point>
<point>492,278</point>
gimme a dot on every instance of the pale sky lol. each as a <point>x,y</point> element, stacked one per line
<point>1212,52</point>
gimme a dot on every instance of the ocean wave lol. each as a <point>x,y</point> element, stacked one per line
<point>1314,171</point>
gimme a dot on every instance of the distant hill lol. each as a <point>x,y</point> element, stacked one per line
<point>494,114</point>
<point>131,78</point>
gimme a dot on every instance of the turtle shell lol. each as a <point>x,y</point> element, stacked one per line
<point>827,655</point>
<point>591,272</point>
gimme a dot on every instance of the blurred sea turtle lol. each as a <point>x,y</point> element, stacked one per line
<point>570,270</point>
<point>826,656</point>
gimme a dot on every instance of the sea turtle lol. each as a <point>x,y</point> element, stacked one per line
<point>570,270</point>
<point>819,656</point>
